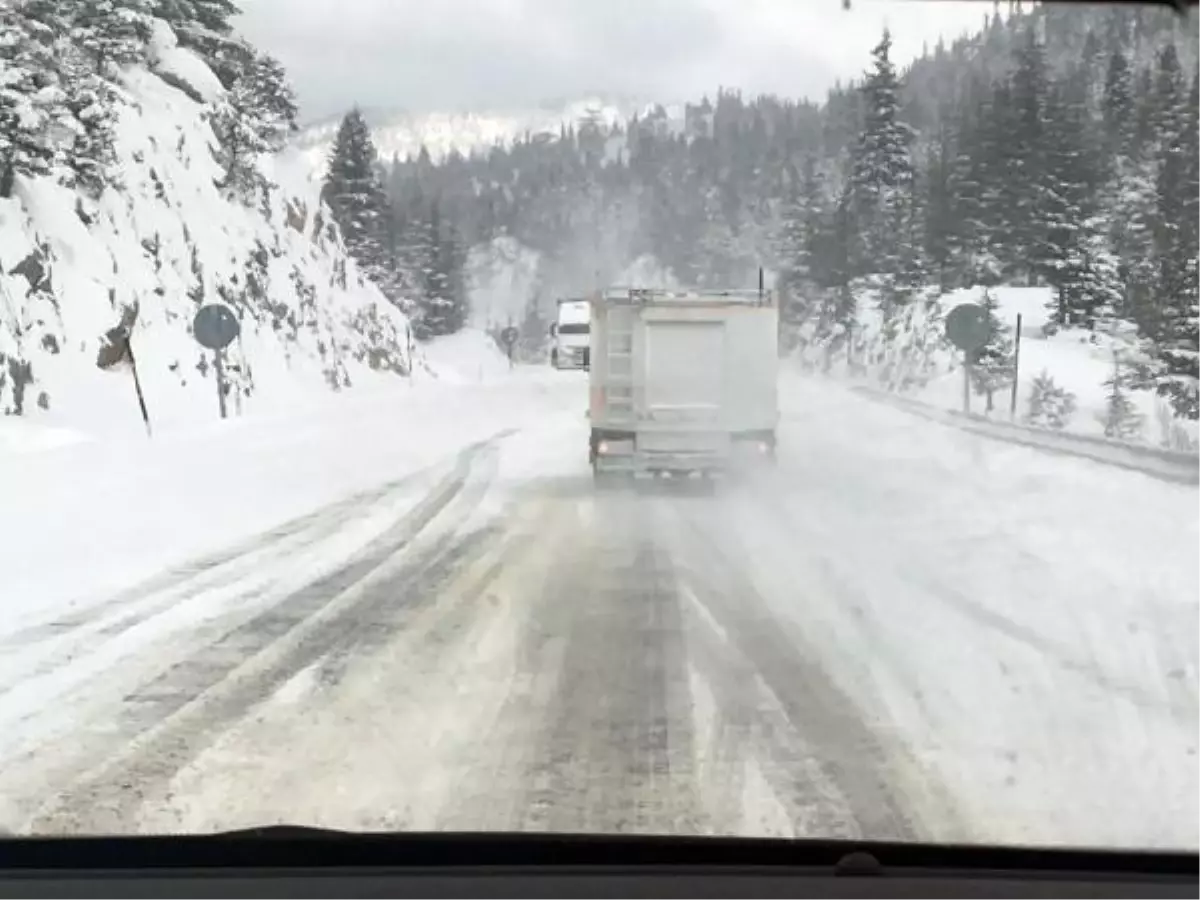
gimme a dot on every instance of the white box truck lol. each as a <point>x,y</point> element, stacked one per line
<point>681,381</point>
<point>569,348</point>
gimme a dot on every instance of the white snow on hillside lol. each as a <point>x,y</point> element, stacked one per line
<point>918,361</point>
<point>169,241</point>
<point>469,357</point>
<point>1078,360</point>
<point>403,134</point>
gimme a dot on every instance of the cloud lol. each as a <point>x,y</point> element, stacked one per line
<point>471,54</point>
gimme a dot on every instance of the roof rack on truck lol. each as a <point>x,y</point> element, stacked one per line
<point>634,296</point>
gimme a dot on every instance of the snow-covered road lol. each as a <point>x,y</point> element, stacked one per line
<point>903,631</point>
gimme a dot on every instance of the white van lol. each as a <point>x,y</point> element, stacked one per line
<point>571,333</point>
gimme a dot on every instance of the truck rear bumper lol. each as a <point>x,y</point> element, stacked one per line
<point>636,453</point>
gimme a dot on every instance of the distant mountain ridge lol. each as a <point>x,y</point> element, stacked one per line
<point>402,133</point>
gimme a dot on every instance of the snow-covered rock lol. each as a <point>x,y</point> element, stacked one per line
<point>168,240</point>
<point>181,66</point>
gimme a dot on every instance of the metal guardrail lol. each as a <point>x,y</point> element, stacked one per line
<point>1168,465</point>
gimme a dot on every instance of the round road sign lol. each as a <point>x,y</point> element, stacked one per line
<point>967,326</point>
<point>215,326</point>
<point>509,335</point>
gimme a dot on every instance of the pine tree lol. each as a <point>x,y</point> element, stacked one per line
<point>1118,107</point>
<point>1050,406</point>
<point>1068,243</point>
<point>992,366</point>
<point>243,133</point>
<point>26,113</point>
<point>941,225</point>
<point>90,99</point>
<point>356,199</point>
<point>442,308</point>
<point>882,176</point>
<point>113,33</point>
<point>1174,326</point>
<point>417,247</point>
<point>1121,419</point>
<point>1027,174</point>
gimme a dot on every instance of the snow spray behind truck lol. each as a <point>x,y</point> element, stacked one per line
<point>680,380</point>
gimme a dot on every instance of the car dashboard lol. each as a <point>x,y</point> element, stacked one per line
<point>295,862</point>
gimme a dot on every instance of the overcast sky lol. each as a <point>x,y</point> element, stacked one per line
<point>426,55</point>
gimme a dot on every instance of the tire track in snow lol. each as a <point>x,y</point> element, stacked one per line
<point>166,722</point>
<point>848,753</point>
<point>234,580</point>
<point>202,573</point>
<point>612,749</point>
<point>751,727</point>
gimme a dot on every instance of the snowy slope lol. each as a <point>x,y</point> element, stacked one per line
<point>918,360</point>
<point>403,134</point>
<point>1077,360</point>
<point>170,241</point>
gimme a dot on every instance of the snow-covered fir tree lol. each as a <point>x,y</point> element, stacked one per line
<point>882,175</point>
<point>256,116</point>
<point>992,366</point>
<point>31,101</point>
<point>1121,418</point>
<point>1050,406</point>
<point>356,197</point>
<point>112,33</point>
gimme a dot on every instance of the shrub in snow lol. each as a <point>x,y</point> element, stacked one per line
<point>1121,419</point>
<point>1050,406</point>
<point>1173,434</point>
<point>993,365</point>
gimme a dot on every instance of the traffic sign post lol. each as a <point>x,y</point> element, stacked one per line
<point>967,329</point>
<point>215,328</point>
<point>118,348</point>
<point>1012,405</point>
<point>509,338</point>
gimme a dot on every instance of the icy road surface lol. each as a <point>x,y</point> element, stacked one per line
<point>904,631</point>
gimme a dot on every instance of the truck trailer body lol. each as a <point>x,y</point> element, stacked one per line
<point>681,380</point>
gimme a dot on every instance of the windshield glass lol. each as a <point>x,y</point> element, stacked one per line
<point>862,501</point>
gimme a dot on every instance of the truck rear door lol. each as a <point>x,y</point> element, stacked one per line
<point>684,361</point>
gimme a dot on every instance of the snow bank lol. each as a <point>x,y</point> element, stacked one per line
<point>123,510</point>
<point>1079,361</point>
<point>169,241</point>
<point>915,358</point>
<point>469,357</point>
